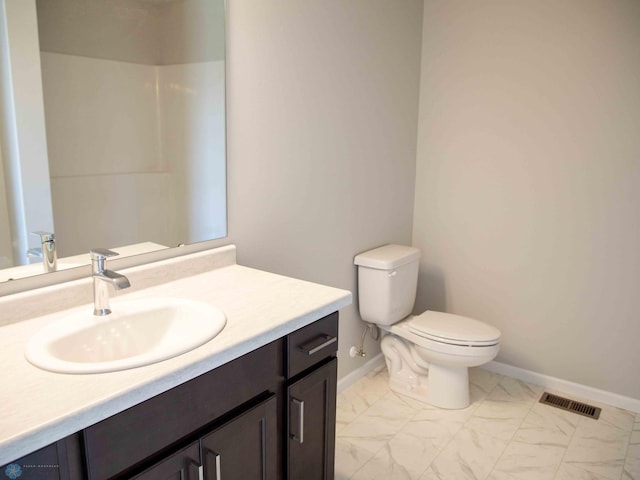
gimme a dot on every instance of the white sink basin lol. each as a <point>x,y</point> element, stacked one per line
<point>137,333</point>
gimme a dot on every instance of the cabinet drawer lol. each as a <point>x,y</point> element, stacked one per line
<point>311,344</point>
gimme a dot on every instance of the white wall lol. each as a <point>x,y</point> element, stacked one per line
<point>527,198</point>
<point>322,120</point>
<point>137,147</point>
<point>192,132</point>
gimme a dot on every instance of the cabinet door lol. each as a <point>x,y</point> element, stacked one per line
<point>312,424</point>
<point>58,461</point>
<point>245,447</point>
<point>182,465</point>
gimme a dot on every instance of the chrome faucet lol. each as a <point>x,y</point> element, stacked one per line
<point>102,278</point>
<point>47,253</point>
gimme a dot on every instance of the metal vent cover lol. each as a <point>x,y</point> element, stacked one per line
<point>570,405</point>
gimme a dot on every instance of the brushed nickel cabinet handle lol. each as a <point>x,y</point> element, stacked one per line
<point>300,405</point>
<point>218,461</point>
<point>190,468</point>
<point>318,344</point>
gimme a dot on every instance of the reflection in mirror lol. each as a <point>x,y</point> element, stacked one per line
<point>133,100</point>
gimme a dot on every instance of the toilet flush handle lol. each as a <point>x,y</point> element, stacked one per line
<point>393,274</point>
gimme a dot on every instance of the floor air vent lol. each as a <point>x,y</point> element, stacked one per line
<point>571,405</point>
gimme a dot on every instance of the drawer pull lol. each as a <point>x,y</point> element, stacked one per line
<point>318,344</point>
<point>300,404</point>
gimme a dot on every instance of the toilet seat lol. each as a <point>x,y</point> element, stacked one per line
<point>453,329</point>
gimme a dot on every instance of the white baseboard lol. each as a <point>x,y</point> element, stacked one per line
<point>360,372</point>
<point>564,386</point>
<point>582,392</point>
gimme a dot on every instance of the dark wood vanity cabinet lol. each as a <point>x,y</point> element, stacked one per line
<point>312,424</point>
<point>267,415</point>
<point>311,400</point>
<point>61,460</point>
<point>121,445</point>
<point>243,448</point>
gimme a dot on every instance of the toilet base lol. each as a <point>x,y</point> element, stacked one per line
<point>441,386</point>
<point>416,392</point>
<point>451,389</point>
<point>448,387</point>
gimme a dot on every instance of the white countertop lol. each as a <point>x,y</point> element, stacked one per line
<point>39,407</point>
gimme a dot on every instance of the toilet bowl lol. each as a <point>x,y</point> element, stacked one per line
<point>438,359</point>
<point>427,355</point>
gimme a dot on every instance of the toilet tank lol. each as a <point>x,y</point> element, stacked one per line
<point>387,281</point>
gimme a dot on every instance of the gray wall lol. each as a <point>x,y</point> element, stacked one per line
<point>150,33</point>
<point>528,167</point>
<point>323,107</point>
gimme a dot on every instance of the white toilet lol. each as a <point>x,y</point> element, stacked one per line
<point>428,355</point>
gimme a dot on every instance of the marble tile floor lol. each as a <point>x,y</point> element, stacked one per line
<point>505,434</point>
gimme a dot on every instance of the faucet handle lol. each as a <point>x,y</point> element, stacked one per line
<point>44,236</point>
<point>101,253</point>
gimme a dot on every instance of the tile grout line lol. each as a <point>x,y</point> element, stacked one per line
<point>566,450</point>
<point>363,412</point>
<point>444,447</point>
<point>580,422</point>
<point>436,456</point>
<point>636,420</point>
<point>626,456</point>
<point>369,406</point>
<point>453,437</point>
<point>508,442</point>
<point>511,439</point>
<point>386,444</point>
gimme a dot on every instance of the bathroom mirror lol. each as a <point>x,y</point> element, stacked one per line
<point>133,100</point>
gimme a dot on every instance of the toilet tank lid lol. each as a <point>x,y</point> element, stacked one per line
<point>387,257</point>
